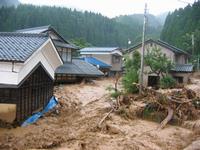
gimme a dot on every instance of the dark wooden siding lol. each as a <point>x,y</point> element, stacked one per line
<point>31,96</point>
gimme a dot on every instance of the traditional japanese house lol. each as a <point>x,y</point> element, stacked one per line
<point>73,69</point>
<point>111,56</point>
<point>182,69</point>
<point>27,66</point>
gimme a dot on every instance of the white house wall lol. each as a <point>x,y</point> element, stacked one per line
<point>6,74</point>
<point>46,55</point>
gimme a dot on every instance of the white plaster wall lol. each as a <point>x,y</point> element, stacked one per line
<point>6,74</point>
<point>47,55</point>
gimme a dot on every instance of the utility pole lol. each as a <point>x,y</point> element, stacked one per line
<point>192,44</point>
<point>143,49</point>
<point>193,54</point>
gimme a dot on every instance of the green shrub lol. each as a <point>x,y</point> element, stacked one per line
<point>115,94</point>
<point>167,82</point>
<point>129,78</point>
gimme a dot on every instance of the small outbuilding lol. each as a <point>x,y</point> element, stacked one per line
<point>27,65</point>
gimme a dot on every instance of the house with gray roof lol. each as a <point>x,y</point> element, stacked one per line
<point>182,69</point>
<point>112,56</point>
<point>72,69</point>
<point>27,66</point>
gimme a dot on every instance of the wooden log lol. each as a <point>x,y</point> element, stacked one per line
<point>168,118</point>
<point>102,120</point>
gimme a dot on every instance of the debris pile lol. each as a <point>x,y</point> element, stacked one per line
<point>176,106</point>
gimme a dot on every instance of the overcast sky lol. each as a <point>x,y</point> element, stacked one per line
<point>112,8</point>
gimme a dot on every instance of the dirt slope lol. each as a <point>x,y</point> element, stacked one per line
<point>75,127</point>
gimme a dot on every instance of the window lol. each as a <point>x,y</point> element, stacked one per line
<point>178,79</point>
<point>115,59</point>
<point>66,54</point>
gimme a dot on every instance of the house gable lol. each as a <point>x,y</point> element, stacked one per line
<point>177,55</point>
<point>13,72</point>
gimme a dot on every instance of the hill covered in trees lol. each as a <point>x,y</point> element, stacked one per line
<point>7,3</point>
<point>181,25</point>
<point>78,26</point>
<point>135,22</point>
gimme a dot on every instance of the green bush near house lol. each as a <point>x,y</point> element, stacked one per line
<point>167,82</point>
<point>128,79</point>
<point>132,66</point>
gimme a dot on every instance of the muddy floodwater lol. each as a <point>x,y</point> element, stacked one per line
<point>81,107</point>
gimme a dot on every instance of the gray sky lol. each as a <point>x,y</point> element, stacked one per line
<point>112,8</point>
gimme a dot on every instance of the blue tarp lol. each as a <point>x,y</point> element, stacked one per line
<point>96,62</point>
<point>52,103</point>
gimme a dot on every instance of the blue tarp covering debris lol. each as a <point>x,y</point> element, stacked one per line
<point>96,62</point>
<point>52,103</point>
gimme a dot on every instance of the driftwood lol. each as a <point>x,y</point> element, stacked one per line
<point>179,104</point>
<point>104,118</point>
<point>168,118</point>
<point>115,106</point>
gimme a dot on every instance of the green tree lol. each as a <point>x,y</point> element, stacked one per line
<point>179,27</point>
<point>158,62</point>
<point>131,76</point>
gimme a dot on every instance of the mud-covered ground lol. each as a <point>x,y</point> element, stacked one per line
<point>81,108</point>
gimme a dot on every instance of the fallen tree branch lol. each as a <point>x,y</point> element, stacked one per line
<point>168,118</point>
<point>102,120</point>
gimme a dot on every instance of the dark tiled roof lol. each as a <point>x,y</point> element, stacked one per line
<point>65,45</point>
<point>183,68</point>
<point>161,43</point>
<point>99,49</point>
<point>48,29</point>
<point>19,46</point>
<point>79,68</point>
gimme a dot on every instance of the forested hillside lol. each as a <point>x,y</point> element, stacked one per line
<point>135,22</point>
<point>8,3</point>
<point>72,24</point>
<point>180,25</point>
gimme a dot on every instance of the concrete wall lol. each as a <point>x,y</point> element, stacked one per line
<point>185,76</point>
<point>149,46</point>
<point>181,59</point>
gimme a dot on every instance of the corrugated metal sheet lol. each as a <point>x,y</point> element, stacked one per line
<point>96,62</point>
<point>35,29</point>
<point>98,49</point>
<point>79,68</point>
<point>19,46</point>
<point>183,68</point>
